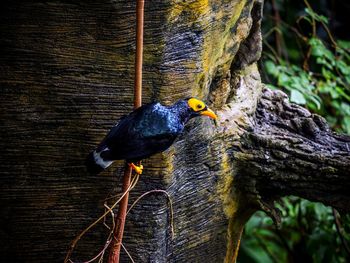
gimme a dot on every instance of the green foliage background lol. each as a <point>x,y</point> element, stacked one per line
<point>303,57</point>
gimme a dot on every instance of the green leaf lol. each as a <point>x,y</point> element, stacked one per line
<point>345,108</point>
<point>316,100</point>
<point>323,87</point>
<point>344,44</point>
<point>342,93</point>
<point>271,68</point>
<point>343,67</point>
<point>317,47</point>
<point>296,84</point>
<point>283,79</point>
<point>334,93</point>
<point>347,78</point>
<point>297,97</point>
<point>324,62</point>
<point>317,17</point>
<point>327,74</point>
<point>324,55</point>
<point>346,124</point>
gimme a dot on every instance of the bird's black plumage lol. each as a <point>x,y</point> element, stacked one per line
<point>147,130</point>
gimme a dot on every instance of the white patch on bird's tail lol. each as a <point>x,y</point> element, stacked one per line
<point>99,160</point>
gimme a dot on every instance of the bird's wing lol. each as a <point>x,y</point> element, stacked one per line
<point>141,148</point>
<point>121,130</point>
<point>140,134</point>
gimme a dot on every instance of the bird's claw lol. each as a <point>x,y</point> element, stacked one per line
<point>138,169</point>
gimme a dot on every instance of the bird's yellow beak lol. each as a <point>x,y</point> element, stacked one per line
<point>208,112</point>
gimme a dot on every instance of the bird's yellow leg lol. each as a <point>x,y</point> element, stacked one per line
<point>138,169</point>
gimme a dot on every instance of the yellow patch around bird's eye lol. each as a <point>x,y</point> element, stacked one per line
<point>195,104</point>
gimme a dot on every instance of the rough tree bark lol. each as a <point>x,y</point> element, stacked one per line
<point>66,77</point>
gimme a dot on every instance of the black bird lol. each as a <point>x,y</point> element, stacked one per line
<point>147,130</point>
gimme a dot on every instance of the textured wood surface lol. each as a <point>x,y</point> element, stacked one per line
<point>66,77</point>
<point>293,152</point>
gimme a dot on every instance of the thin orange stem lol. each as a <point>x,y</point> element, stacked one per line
<point>114,254</point>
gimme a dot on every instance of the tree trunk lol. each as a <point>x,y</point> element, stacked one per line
<point>67,77</point>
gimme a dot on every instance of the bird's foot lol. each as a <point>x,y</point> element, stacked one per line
<point>138,169</point>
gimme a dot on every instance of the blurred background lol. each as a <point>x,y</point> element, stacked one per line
<point>306,54</point>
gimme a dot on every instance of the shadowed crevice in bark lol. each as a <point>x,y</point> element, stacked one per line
<point>293,152</point>
<point>251,48</point>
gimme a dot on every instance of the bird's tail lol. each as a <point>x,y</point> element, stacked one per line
<point>92,166</point>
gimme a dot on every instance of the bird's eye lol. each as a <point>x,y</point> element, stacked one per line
<point>196,105</point>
